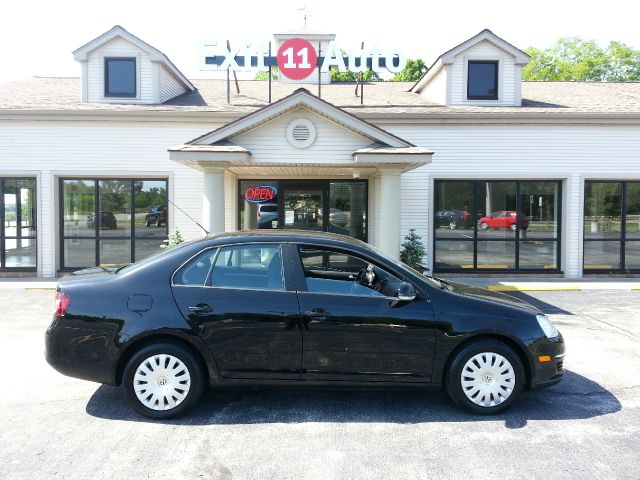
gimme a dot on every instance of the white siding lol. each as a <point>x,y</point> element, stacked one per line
<point>509,76</point>
<point>436,89</point>
<point>170,87</point>
<point>50,150</point>
<point>571,153</point>
<point>118,47</point>
<point>334,143</point>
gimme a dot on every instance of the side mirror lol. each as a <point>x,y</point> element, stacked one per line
<point>406,293</point>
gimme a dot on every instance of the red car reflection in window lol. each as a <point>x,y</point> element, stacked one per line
<point>504,219</point>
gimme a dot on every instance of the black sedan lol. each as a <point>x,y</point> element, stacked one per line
<point>453,219</point>
<point>294,308</point>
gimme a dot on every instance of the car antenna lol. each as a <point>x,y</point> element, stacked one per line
<point>188,216</point>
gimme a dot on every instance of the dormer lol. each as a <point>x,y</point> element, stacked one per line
<point>118,67</point>
<point>482,71</point>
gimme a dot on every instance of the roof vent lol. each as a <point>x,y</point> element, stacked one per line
<point>301,133</point>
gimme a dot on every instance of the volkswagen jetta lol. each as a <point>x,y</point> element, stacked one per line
<point>294,308</point>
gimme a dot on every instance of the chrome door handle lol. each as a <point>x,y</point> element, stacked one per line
<point>200,309</point>
<point>316,314</point>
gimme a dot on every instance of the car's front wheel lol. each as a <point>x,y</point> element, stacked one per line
<point>485,377</point>
<point>484,225</point>
<point>162,380</point>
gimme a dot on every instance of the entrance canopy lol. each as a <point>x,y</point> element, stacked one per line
<point>303,136</point>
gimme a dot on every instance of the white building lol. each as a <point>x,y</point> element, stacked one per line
<point>496,174</point>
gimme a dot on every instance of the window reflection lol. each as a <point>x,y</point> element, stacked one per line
<point>492,220</point>
<point>610,238</point>
<point>112,221</point>
<point>348,209</point>
<point>603,210</point>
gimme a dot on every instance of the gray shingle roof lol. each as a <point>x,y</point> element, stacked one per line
<point>63,94</point>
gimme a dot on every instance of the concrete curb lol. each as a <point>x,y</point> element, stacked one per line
<point>561,287</point>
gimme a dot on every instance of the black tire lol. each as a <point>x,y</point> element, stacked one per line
<point>453,376</point>
<point>453,224</point>
<point>484,226</point>
<point>148,223</point>
<point>193,367</point>
<point>158,222</point>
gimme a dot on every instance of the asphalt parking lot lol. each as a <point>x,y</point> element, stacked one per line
<point>588,426</point>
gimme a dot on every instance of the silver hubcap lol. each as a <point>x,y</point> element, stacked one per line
<point>488,379</point>
<point>162,382</point>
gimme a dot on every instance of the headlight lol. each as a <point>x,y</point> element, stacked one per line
<point>547,326</point>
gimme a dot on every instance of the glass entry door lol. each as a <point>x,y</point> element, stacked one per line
<point>336,206</point>
<point>18,223</point>
<point>302,208</point>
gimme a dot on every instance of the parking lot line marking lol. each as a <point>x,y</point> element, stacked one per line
<point>532,288</point>
<point>40,288</point>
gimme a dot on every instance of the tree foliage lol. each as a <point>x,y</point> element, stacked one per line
<point>413,249</point>
<point>576,59</point>
<point>411,72</point>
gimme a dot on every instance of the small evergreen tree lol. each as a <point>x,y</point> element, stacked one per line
<point>412,249</point>
<point>174,239</point>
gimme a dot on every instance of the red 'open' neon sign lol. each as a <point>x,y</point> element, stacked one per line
<point>260,194</point>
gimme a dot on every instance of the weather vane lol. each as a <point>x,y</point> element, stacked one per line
<point>304,17</point>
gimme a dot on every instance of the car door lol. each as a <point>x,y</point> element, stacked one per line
<point>353,332</point>
<point>240,300</point>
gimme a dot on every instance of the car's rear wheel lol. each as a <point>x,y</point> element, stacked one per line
<point>512,227</point>
<point>484,225</point>
<point>163,380</point>
<point>485,377</point>
<point>158,221</point>
<point>453,224</point>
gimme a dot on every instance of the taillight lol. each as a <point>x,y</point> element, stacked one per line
<point>61,304</point>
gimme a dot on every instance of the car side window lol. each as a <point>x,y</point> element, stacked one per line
<point>196,271</point>
<point>253,267</point>
<point>341,273</point>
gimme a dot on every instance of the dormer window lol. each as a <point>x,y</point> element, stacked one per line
<point>482,80</point>
<point>120,77</point>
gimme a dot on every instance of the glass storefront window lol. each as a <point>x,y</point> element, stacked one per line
<point>611,226</point>
<point>348,209</point>
<point>454,255</point>
<point>632,214</point>
<point>500,255</point>
<point>454,217</point>
<point>496,225</point>
<point>496,210</point>
<point>258,204</point>
<point>112,221</point>
<point>632,255</point>
<point>539,206</point>
<point>18,249</point>
<point>603,210</point>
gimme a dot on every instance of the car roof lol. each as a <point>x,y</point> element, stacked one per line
<point>277,235</point>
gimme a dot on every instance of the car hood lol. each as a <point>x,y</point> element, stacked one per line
<point>489,296</point>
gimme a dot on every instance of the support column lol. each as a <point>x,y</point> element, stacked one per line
<point>213,200</point>
<point>572,226</point>
<point>389,225</point>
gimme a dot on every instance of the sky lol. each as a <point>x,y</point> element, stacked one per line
<point>37,37</point>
